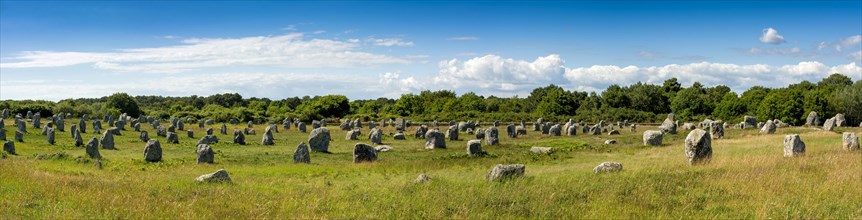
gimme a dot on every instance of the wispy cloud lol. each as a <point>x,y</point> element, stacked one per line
<point>463,38</point>
<point>290,50</point>
<point>389,42</point>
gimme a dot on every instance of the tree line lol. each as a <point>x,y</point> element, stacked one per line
<point>639,102</point>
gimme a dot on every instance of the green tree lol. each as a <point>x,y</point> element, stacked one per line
<point>124,103</point>
<point>782,104</point>
<point>730,107</point>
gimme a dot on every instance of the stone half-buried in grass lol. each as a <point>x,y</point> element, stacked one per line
<point>541,150</point>
<point>474,148</point>
<point>220,176</point>
<point>698,147</point>
<point>422,178</point>
<point>608,167</point>
<point>364,153</point>
<point>502,172</point>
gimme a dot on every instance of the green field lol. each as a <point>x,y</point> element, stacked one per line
<point>748,177</point>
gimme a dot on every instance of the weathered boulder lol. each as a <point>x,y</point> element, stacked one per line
<point>383,148</point>
<point>318,139</point>
<point>668,126</point>
<point>614,132</point>
<point>839,120</point>
<point>205,153</point>
<point>399,136</point>
<point>220,176</point>
<point>541,150</point>
<point>302,154</point>
<point>504,172</point>
<point>353,134</point>
<point>688,126</point>
<point>238,137</point>
<point>698,147</point>
<point>153,151</point>
<point>420,132</point>
<point>555,130</point>
<point>716,129</point>
<point>793,146</point>
<point>451,133</point>
<point>422,178</point>
<point>78,140</point>
<point>19,137</point>
<point>749,122</point>
<point>92,149</point>
<point>480,133</point>
<point>474,148</point>
<point>520,130</point>
<point>492,136</point>
<point>267,138</point>
<point>50,136</point>
<point>173,138</point>
<point>652,138</point>
<point>107,140</point>
<point>510,131</point>
<point>768,128</point>
<point>812,119</point>
<point>633,127</point>
<point>376,136</point>
<point>608,167</point>
<point>829,124</point>
<point>572,130</point>
<point>9,147</point>
<point>849,141</point>
<point>223,129</point>
<point>208,139</point>
<point>610,141</point>
<point>301,127</point>
<point>434,139</point>
<point>364,153</point>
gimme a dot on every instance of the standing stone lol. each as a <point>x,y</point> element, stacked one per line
<point>137,126</point>
<point>153,151</point>
<point>107,140</point>
<point>267,137</point>
<point>92,149</point>
<point>546,128</point>
<point>19,137</point>
<point>768,128</point>
<point>9,146</point>
<point>208,139</point>
<point>209,131</point>
<point>301,127</point>
<point>22,127</point>
<point>302,155</point>
<point>205,154</point>
<point>2,130</point>
<point>399,124</point>
<point>572,130</point>
<point>364,153</point>
<point>353,134</point>
<point>812,119</point>
<point>200,124</point>
<point>420,132</point>
<point>250,124</point>
<point>50,138</point>
<point>238,137</point>
<point>173,138</point>
<point>793,146</point>
<point>474,148</point>
<point>376,136</point>
<point>346,125</point>
<point>190,133</point>
<point>434,139</point>
<point>29,114</point>
<point>510,131</point>
<point>504,172</point>
<point>520,130</point>
<point>5,114</point>
<point>849,141</point>
<point>829,124</point>
<point>554,130</point>
<point>492,136</point>
<point>82,125</point>
<point>716,129</point>
<point>652,138</point>
<point>315,124</point>
<point>220,176</point>
<point>318,139</point>
<point>37,120</point>
<point>60,124</point>
<point>668,126</point>
<point>839,120</point>
<point>749,122</point>
<point>538,125</point>
<point>451,133</point>
<point>480,133</point>
<point>223,129</point>
<point>399,136</point>
<point>698,147</point>
<point>596,130</point>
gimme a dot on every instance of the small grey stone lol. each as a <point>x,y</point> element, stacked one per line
<point>611,141</point>
<point>9,147</point>
<point>793,146</point>
<point>474,148</point>
<point>220,176</point>
<point>503,172</point>
<point>382,148</point>
<point>652,138</point>
<point>608,167</point>
<point>541,150</point>
<point>364,153</point>
<point>173,138</point>
<point>238,137</point>
<point>205,153</point>
<point>302,155</point>
<point>153,151</point>
<point>422,178</point>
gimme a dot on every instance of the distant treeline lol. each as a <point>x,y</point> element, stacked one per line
<point>640,102</point>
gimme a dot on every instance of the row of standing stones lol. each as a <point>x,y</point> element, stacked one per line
<point>698,147</point>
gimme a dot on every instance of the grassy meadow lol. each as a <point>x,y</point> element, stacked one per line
<point>748,177</point>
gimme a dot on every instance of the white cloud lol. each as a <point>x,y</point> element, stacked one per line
<point>388,42</point>
<point>738,77</point>
<point>774,51</point>
<point>289,28</point>
<point>849,42</point>
<point>771,36</point>
<point>318,32</point>
<point>494,74</point>
<point>290,50</point>
<point>856,56</point>
<point>393,85</point>
<point>462,38</point>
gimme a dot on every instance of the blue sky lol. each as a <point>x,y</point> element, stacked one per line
<point>57,50</point>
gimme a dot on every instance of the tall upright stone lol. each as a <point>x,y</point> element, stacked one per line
<point>173,138</point>
<point>78,140</point>
<point>555,130</point>
<point>301,155</point>
<point>510,131</point>
<point>92,149</point>
<point>749,122</point>
<point>376,136</point>
<point>205,153</point>
<point>451,133</point>
<point>839,120</point>
<point>474,148</point>
<point>669,125</point>
<point>2,130</point>
<point>849,141</point>
<point>238,137</point>
<point>793,146</point>
<point>812,119</point>
<point>82,125</point>
<point>768,127</point>
<point>829,124</point>
<point>434,139</point>
<point>492,136</point>
<point>301,127</point>
<point>50,136</point>
<point>9,146</point>
<point>698,147</point>
<point>153,151</point>
<point>716,129</point>
<point>223,129</point>
<point>318,139</point>
<point>107,140</point>
<point>19,137</point>
<point>267,138</point>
